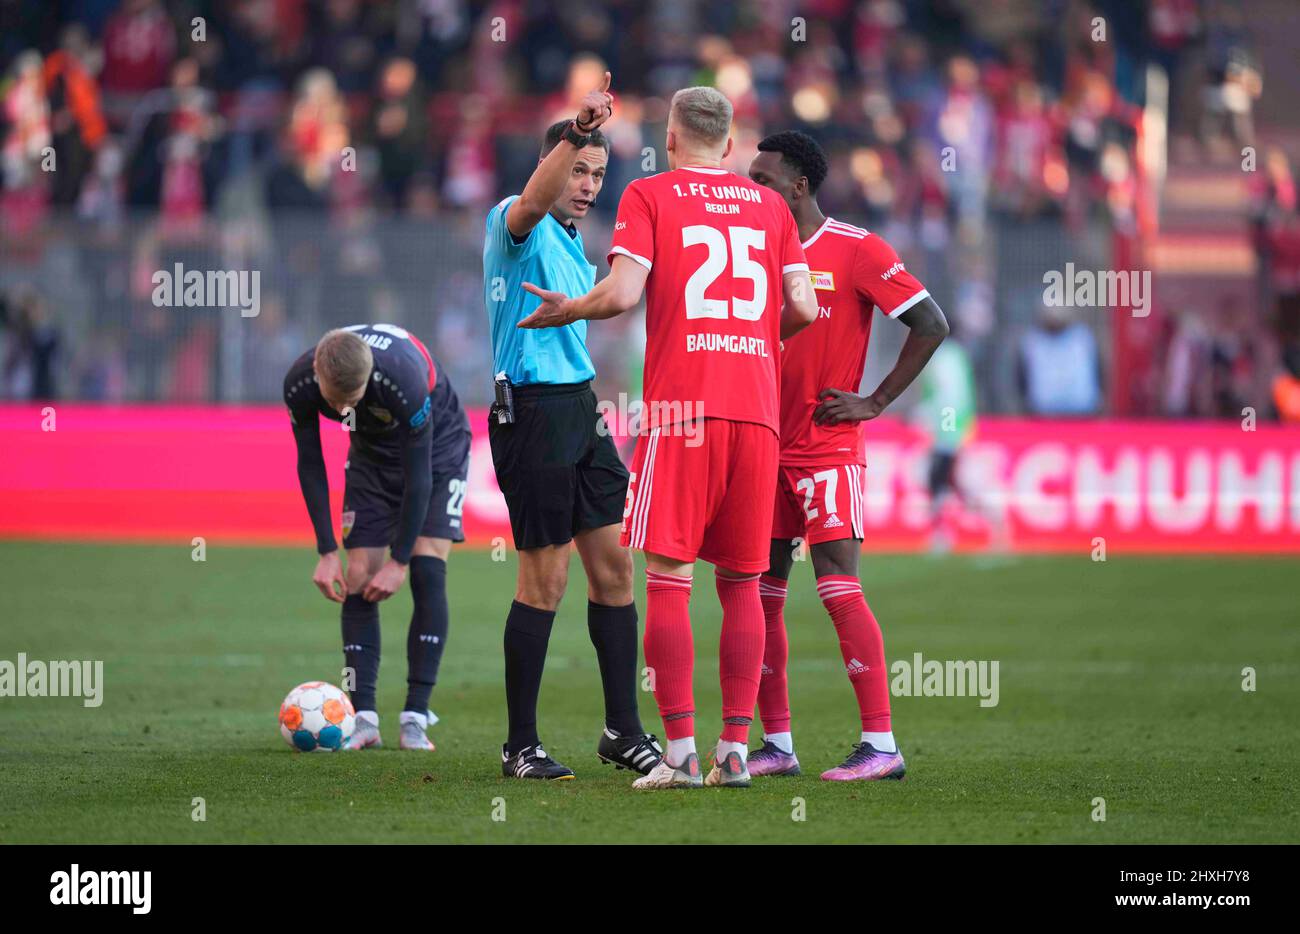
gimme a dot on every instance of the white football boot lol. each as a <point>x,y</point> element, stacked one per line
<point>412,734</point>
<point>365,733</point>
<point>663,775</point>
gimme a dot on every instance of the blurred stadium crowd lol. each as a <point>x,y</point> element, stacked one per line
<point>349,150</point>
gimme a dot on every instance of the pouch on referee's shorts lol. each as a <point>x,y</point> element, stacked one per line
<point>505,400</point>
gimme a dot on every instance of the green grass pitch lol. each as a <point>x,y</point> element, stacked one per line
<point>1119,680</point>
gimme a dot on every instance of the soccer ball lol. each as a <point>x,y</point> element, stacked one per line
<point>317,717</point>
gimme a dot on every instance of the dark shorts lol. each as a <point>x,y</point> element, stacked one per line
<point>372,496</point>
<point>559,474</point>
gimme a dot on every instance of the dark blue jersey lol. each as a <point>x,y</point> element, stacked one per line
<point>409,414</point>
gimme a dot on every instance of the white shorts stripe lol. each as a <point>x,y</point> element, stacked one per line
<point>856,517</point>
<point>848,480</point>
<point>634,524</point>
<point>862,501</point>
<point>641,507</point>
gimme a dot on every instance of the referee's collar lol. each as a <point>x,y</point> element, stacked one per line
<point>570,228</point>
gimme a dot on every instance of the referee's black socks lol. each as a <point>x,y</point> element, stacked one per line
<point>361,648</point>
<point>613,633</point>
<point>528,631</point>
<point>427,637</point>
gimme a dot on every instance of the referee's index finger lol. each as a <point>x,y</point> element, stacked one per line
<point>536,290</point>
<point>605,85</point>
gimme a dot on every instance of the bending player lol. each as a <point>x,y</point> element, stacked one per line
<point>820,490</point>
<point>408,458</point>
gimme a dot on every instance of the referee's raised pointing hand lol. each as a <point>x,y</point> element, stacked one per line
<point>596,107</point>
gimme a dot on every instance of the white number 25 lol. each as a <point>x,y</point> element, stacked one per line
<point>743,266</point>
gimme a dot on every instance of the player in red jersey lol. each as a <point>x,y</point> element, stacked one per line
<point>725,280</point>
<point>820,492</point>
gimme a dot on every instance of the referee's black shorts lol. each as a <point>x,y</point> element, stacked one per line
<point>559,473</point>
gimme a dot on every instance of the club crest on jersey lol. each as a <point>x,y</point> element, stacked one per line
<point>822,280</point>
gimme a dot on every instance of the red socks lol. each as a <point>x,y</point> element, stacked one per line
<point>773,689</point>
<point>861,645</point>
<point>670,651</point>
<point>740,654</point>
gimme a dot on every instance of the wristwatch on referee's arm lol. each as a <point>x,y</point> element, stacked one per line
<point>572,134</point>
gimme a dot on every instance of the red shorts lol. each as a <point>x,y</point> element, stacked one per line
<point>820,504</point>
<point>697,496</point>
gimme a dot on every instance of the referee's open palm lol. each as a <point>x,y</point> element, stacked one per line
<point>553,312</point>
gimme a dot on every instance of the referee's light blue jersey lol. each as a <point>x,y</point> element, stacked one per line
<point>552,258</point>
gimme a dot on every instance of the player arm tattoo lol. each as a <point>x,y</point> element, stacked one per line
<point>312,479</point>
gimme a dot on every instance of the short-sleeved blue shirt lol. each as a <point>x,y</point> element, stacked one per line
<point>551,256</point>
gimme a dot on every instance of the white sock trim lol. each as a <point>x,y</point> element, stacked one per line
<point>782,741</point>
<point>679,749</point>
<point>883,742</point>
<point>413,716</point>
<point>726,748</point>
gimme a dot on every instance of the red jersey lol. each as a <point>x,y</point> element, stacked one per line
<point>717,247</point>
<point>853,272</point>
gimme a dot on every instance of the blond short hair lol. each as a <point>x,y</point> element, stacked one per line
<point>703,114</point>
<point>343,360</point>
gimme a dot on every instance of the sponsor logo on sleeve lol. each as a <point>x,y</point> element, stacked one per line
<point>421,416</point>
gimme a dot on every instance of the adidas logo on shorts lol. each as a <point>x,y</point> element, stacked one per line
<point>832,522</point>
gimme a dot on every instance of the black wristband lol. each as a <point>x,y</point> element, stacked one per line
<point>575,136</point>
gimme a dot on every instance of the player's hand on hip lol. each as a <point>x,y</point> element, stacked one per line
<point>596,107</point>
<point>328,577</point>
<point>838,406</point>
<point>387,582</point>
<point>554,311</point>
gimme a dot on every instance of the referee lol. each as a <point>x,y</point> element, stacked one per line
<point>561,476</point>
